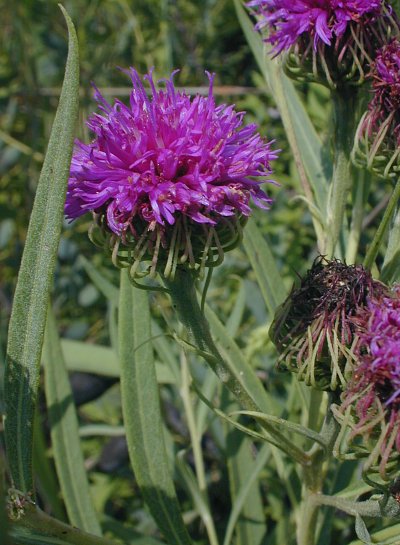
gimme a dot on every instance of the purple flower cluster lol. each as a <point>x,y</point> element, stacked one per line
<point>375,386</point>
<point>322,20</point>
<point>165,156</point>
<point>385,103</point>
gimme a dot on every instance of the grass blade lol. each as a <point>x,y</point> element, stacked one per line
<point>142,416</point>
<point>246,499</point>
<point>65,435</point>
<point>391,264</point>
<point>28,316</point>
<point>102,360</point>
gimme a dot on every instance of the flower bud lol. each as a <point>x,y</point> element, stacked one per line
<point>313,329</point>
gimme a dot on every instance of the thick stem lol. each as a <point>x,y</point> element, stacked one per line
<point>344,108</point>
<point>313,480</point>
<point>184,298</point>
<point>361,192</point>
<point>308,519</point>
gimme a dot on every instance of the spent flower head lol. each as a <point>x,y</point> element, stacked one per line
<point>168,177</point>
<point>313,330</point>
<point>332,41</point>
<point>373,393</point>
<point>377,142</point>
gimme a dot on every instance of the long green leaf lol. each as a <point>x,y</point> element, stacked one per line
<point>105,286</point>
<point>238,365</point>
<point>28,316</point>
<point>45,473</point>
<point>384,224</point>
<point>101,360</point>
<point>142,416</point>
<point>65,434</point>
<point>38,528</point>
<point>246,499</point>
<point>391,265</point>
<point>313,165</point>
<point>306,140</point>
<point>264,266</point>
<point>199,498</point>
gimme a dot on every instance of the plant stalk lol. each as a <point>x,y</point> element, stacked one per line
<point>184,299</point>
<point>344,107</point>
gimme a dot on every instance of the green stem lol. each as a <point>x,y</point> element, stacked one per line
<point>368,508</point>
<point>47,526</point>
<point>184,299</point>
<point>195,435</point>
<point>313,480</point>
<point>307,523</point>
<point>344,107</point>
<point>380,233</point>
<point>361,191</point>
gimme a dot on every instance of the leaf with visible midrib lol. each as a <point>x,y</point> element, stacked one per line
<point>28,316</point>
<point>142,415</point>
<point>65,434</point>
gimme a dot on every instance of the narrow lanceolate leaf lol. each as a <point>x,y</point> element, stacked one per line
<point>142,415</point>
<point>65,434</point>
<point>391,264</point>
<point>306,140</point>
<point>313,165</point>
<point>264,266</point>
<point>28,316</point>
<point>247,517</point>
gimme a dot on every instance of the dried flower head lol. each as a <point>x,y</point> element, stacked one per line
<point>377,142</point>
<point>331,40</point>
<point>313,330</point>
<point>373,394</point>
<point>168,177</point>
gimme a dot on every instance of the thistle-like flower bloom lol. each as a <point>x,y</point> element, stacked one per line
<point>333,39</point>
<point>377,142</point>
<point>168,177</point>
<point>313,330</point>
<point>322,20</point>
<point>373,394</point>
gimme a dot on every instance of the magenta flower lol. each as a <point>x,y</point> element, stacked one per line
<point>320,20</point>
<point>165,160</point>
<point>378,135</point>
<point>374,390</point>
<point>385,103</point>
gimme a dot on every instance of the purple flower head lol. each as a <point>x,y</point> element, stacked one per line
<point>378,134</point>
<point>320,20</point>
<point>386,87</point>
<point>375,387</point>
<point>168,159</point>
